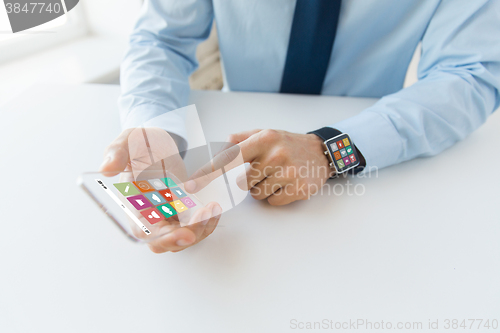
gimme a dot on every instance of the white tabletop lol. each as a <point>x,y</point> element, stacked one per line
<point>421,243</point>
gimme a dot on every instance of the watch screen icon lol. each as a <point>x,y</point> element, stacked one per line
<point>334,147</point>
<point>340,144</point>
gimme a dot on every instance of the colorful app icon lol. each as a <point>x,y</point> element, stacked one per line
<point>340,163</point>
<point>188,202</point>
<point>152,215</point>
<point>337,155</point>
<point>157,184</point>
<point>139,202</point>
<point>340,144</point>
<point>334,146</point>
<point>167,195</point>
<point>347,161</point>
<point>155,198</point>
<point>346,142</point>
<point>343,152</point>
<point>127,189</point>
<point>169,182</point>
<point>144,186</point>
<point>353,158</point>
<point>349,150</point>
<point>167,210</point>
<point>178,205</point>
<point>178,192</point>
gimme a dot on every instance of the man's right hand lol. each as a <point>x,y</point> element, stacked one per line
<point>136,150</point>
<point>116,156</point>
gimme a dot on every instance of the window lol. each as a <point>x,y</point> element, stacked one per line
<point>66,27</point>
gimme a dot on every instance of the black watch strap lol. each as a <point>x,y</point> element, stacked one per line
<point>326,133</point>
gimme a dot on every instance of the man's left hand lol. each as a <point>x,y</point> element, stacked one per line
<point>285,166</point>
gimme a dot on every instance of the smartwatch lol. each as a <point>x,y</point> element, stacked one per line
<point>340,150</point>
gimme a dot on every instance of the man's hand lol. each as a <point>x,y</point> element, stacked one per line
<point>141,149</point>
<point>285,166</point>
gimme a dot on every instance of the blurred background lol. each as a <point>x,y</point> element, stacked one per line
<point>87,45</point>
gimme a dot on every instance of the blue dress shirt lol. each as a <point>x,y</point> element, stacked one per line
<point>459,70</point>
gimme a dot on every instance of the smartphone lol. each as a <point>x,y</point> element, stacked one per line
<point>156,203</point>
<point>143,209</point>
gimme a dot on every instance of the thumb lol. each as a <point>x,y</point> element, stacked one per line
<point>116,156</point>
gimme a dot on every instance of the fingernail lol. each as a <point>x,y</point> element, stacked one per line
<point>183,242</point>
<point>205,217</point>
<point>216,210</point>
<point>106,161</point>
<point>190,185</point>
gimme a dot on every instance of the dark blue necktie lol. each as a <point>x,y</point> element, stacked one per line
<point>311,40</point>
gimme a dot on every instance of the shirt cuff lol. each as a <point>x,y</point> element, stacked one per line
<point>375,137</point>
<point>148,115</point>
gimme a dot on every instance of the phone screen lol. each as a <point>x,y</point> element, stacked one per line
<point>144,209</point>
<point>151,201</point>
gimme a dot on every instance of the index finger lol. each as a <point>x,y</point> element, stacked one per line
<point>224,161</point>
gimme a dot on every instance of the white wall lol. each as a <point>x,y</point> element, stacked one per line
<point>111,17</point>
<point>411,74</point>
<point>93,56</point>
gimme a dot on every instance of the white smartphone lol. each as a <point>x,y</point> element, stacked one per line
<point>157,203</point>
<point>143,209</point>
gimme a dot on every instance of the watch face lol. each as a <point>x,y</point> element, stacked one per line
<point>344,156</point>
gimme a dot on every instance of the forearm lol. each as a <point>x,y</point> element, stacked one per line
<point>458,88</point>
<point>421,120</point>
<point>160,58</point>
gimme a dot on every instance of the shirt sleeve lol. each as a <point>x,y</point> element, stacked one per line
<point>159,60</point>
<point>458,88</point>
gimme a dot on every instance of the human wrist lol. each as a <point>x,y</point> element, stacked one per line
<point>328,133</point>
<point>319,149</point>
